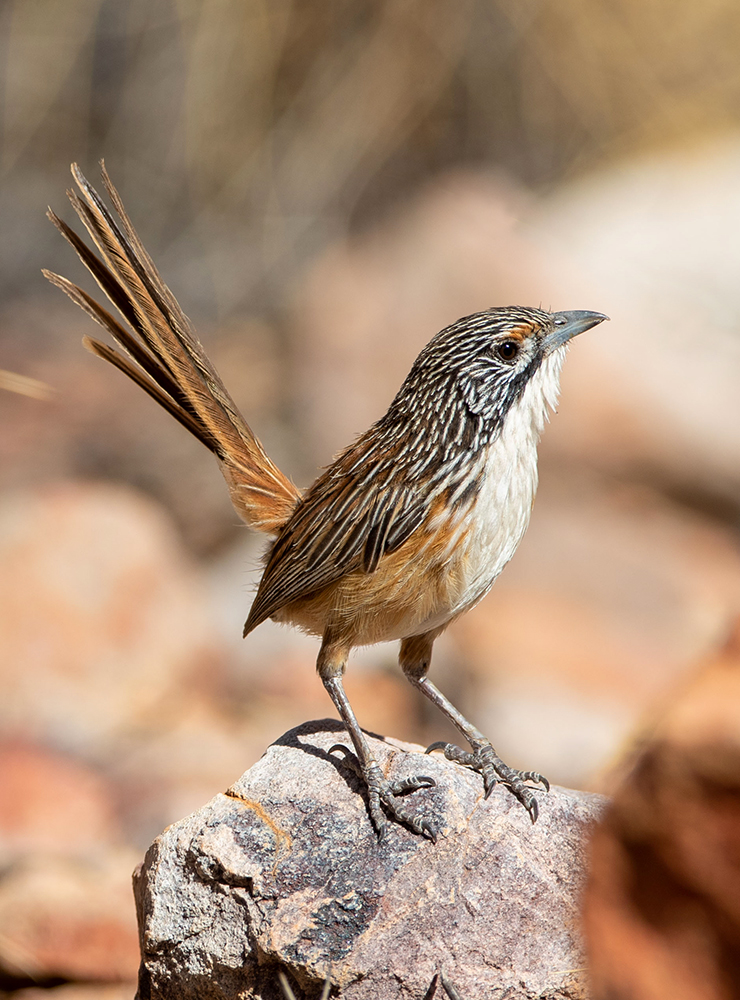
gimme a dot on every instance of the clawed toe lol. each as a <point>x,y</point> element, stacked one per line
<point>535,776</point>
<point>486,761</point>
<point>456,754</point>
<point>383,792</point>
<point>412,784</point>
<point>383,796</point>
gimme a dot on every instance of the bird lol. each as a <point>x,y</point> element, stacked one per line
<point>409,526</point>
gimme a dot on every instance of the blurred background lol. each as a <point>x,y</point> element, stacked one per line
<point>324,186</point>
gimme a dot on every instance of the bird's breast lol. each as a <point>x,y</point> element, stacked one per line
<point>509,483</point>
<point>497,519</point>
<point>491,529</point>
<point>452,560</point>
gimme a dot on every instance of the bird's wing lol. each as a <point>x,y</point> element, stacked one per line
<point>354,514</point>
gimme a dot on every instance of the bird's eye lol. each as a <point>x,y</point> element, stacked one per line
<point>507,350</point>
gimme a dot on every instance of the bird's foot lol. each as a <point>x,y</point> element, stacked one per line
<point>486,761</point>
<point>383,796</point>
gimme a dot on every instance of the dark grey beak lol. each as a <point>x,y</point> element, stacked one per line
<point>569,325</point>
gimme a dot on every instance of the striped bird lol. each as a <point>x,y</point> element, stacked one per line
<point>408,527</point>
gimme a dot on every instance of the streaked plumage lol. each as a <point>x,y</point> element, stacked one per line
<point>409,526</point>
<point>441,479</point>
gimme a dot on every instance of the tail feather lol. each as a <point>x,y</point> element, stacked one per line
<point>129,343</point>
<point>118,361</point>
<point>167,359</point>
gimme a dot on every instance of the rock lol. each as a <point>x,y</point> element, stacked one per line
<point>82,819</point>
<point>75,991</point>
<point>285,870</point>
<point>68,918</point>
<point>662,907</point>
<point>102,616</point>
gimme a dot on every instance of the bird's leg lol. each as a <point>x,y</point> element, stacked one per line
<point>382,793</point>
<point>415,657</point>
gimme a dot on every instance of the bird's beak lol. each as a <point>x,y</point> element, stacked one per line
<point>569,325</point>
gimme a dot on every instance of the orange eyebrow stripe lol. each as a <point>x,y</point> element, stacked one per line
<point>519,332</point>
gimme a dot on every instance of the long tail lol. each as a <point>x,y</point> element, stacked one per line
<point>164,355</point>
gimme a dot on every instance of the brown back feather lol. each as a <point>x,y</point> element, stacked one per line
<point>167,359</point>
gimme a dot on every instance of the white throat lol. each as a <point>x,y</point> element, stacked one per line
<point>508,484</point>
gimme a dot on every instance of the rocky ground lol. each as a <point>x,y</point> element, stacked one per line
<point>285,870</point>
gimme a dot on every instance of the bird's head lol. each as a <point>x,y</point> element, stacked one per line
<point>486,361</point>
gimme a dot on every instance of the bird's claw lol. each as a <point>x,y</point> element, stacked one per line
<point>486,761</point>
<point>412,784</point>
<point>383,795</point>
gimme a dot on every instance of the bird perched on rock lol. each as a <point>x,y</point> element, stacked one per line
<point>408,527</point>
